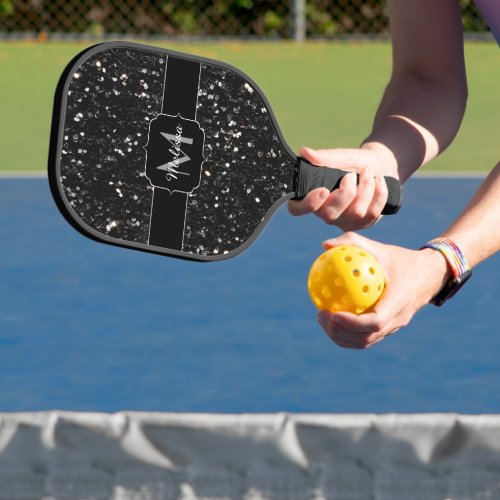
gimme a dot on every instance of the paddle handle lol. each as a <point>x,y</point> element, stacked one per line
<point>309,177</point>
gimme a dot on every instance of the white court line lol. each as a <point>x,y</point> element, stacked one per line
<point>23,174</point>
<point>453,174</point>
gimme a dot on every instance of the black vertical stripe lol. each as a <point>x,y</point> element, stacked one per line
<point>167,219</point>
<point>180,94</point>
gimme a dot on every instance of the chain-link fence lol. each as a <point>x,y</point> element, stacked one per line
<point>206,18</point>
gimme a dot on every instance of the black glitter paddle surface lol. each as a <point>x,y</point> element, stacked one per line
<point>171,153</point>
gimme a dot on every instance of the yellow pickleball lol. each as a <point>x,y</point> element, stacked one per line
<point>346,278</point>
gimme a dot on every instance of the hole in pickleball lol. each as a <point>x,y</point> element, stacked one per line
<point>317,276</point>
<point>360,309</point>
<point>366,289</point>
<point>327,293</point>
<point>339,281</point>
<point>379,288</point>
<point>330,268</point>
<point>337,306</point>
<point>372,270</point>
<point>348,258</point>
<point>346,299</point>
<point>363,254</point>
<point>356,273</point>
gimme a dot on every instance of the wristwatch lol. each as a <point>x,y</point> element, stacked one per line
<point>459,267</point>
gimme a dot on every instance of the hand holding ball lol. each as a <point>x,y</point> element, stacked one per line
<point>346,278</point>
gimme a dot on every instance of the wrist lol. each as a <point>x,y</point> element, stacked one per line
<point>437,272</point>
<point>386,157</point>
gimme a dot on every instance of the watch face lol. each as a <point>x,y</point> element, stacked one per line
<point>451,288</point>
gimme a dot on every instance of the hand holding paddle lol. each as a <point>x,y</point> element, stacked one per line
<point>354,205</point>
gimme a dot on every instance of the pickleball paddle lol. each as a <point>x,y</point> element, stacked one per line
<point>172,153</point>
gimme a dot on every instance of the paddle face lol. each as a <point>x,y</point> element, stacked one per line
<point>165,152</point>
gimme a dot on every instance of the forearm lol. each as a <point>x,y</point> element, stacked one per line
<point>477,230</point>
<point>424,103</point>
<point>416,120</point>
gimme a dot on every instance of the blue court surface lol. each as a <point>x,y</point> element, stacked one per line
<point>91,327</point>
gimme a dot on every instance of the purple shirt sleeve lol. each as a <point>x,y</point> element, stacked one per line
<point>490,9</point>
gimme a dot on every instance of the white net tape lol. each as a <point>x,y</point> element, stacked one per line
<point>163,456</point>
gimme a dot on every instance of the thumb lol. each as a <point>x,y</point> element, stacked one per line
<point>349,238</point>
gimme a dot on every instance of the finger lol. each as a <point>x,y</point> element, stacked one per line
<point>344,344</point>
<point>348,238</point>
<point>348,338</point>
<point>338,201</point>
<point>362,324</point>
<point>380,196</point>
<point>365,191</point>
<point>311,203</point>
<point>385,317</point>
<point>362,340</point>
<point>338,334</point>
<point>341,340</point>
<point>338,157</point>
<point>353,341</point>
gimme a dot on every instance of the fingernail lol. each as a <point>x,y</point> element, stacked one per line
<point>323,194</point>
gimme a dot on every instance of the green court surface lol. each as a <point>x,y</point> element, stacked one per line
<point>323,94</point>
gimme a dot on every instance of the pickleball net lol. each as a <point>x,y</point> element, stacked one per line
<point>159,456</point>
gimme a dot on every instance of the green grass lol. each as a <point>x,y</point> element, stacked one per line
<point>323,94</point>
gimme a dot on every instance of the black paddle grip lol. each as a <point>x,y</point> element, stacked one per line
<point>309,177</point>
